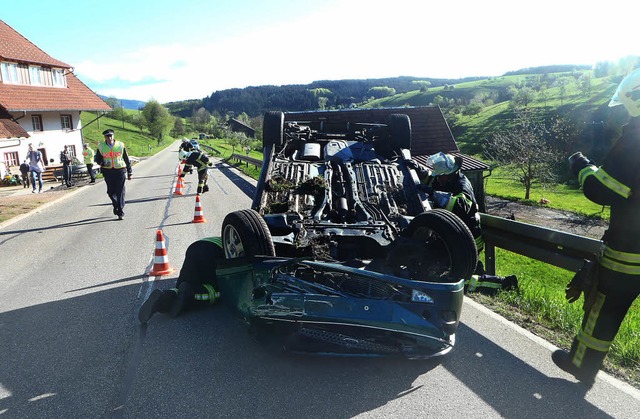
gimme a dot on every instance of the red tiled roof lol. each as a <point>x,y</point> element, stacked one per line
<point>76,96</point>
<point>11,129</point>
<point>16,97</point>
<point>15,47</point>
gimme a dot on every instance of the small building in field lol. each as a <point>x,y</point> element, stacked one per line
<point>430,134</point>
<point>239,126</point>
<point>40,103</point>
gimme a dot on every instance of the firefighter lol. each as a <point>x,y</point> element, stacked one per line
<point>201,162</point>
<point>450,189</point>
<point>115,167</point>
<point>186,146</point>
<point>196,284</point>
<point>616,276</point>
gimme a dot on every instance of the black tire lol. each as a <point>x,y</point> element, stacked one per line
<point>245,234</point>
<point>273,129</point>
<point>447,232</point>
<point>400,131</point>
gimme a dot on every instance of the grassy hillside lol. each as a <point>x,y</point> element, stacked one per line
<point>561,94</point>
<point>138,143</point>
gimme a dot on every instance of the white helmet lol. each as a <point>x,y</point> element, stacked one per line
<point>628,93</point>
<point>443,164</point>
<point>183,155</point>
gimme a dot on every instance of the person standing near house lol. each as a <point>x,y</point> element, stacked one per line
<point>66,160</point>
<point>616,275</point>
<point>24,170</point>
<point>88,154</point>
<point>114,163</point>
<point>36,166</point>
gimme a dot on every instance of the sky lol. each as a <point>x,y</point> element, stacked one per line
<point>187,49</point>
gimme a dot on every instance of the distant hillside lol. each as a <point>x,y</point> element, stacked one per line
<point>127,103</point>
<point>336,94</point>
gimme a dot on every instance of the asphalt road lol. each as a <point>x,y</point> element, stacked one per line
<point>72,278</point>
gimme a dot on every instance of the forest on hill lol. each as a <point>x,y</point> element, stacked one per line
<point>324,94</point>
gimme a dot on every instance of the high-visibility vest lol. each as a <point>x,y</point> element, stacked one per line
<point>88,155</point>
<point>112,155</point>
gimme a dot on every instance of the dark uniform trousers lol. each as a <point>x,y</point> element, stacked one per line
<point>115,180</point>
<point>199,271</point>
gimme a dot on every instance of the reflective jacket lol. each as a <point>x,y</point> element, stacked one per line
<point>112,157</point>
<point>199,160</point>
<point>615,184</point>
<point>88,155</point>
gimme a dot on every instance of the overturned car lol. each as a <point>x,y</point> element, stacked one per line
<point>341,252</point>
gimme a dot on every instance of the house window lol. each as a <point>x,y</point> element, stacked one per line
<point>58,78</point>
<point>9,73</point>
<point>11,159</point>
<point>72,150</point>
<point>34,75</point>
<point>66,122</point>
<point>36,120</point>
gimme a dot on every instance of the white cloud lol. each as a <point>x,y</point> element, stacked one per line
<point>366,39</point>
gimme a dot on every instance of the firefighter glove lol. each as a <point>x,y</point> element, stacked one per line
<point>440,199</point>
<point>577,162</point>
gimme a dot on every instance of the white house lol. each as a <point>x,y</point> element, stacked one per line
<point>40,102</point>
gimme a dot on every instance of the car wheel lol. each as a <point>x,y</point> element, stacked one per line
<point>446,236</point>
<point>400,130</point>
<point>245,234</point>
<point>273,129</point>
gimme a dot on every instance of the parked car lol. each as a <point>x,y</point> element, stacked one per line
<point>77,170</point>
<point>341,252</point>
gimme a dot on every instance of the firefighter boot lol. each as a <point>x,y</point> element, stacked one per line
<point>563,360</point>
<point>158,302</point>
<point>185,296</point>
<point>510,283</point>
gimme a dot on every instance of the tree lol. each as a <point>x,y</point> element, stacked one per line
<point>533,148</point>
<point>200,119</point>
<point>378,92</point>
<point>178,128</point>
<point>157,118</point>
<point>423,84</point>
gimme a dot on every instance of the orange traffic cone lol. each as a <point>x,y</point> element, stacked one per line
<point>179,185</point>
<point>160,260</point>
<point>198,217</point>
<point>179,169</point>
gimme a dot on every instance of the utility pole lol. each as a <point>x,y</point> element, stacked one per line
<point>122,107</point>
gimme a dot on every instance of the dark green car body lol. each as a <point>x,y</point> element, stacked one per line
<point>333,309</point>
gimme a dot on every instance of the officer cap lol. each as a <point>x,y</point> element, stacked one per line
<point>107,132</point>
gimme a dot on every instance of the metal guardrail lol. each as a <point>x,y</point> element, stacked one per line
<point>554,247</point>
<point>249,160</point>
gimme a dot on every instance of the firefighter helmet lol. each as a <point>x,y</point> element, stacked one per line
<point>443,164</point>
<point>183,155</point>
<point>628,93</point>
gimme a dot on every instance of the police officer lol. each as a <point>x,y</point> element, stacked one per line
<point>115,167</point>
<point>615,183</point>
<point>196,284</point>
<point>88,154</point>
<point>201,162</point>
